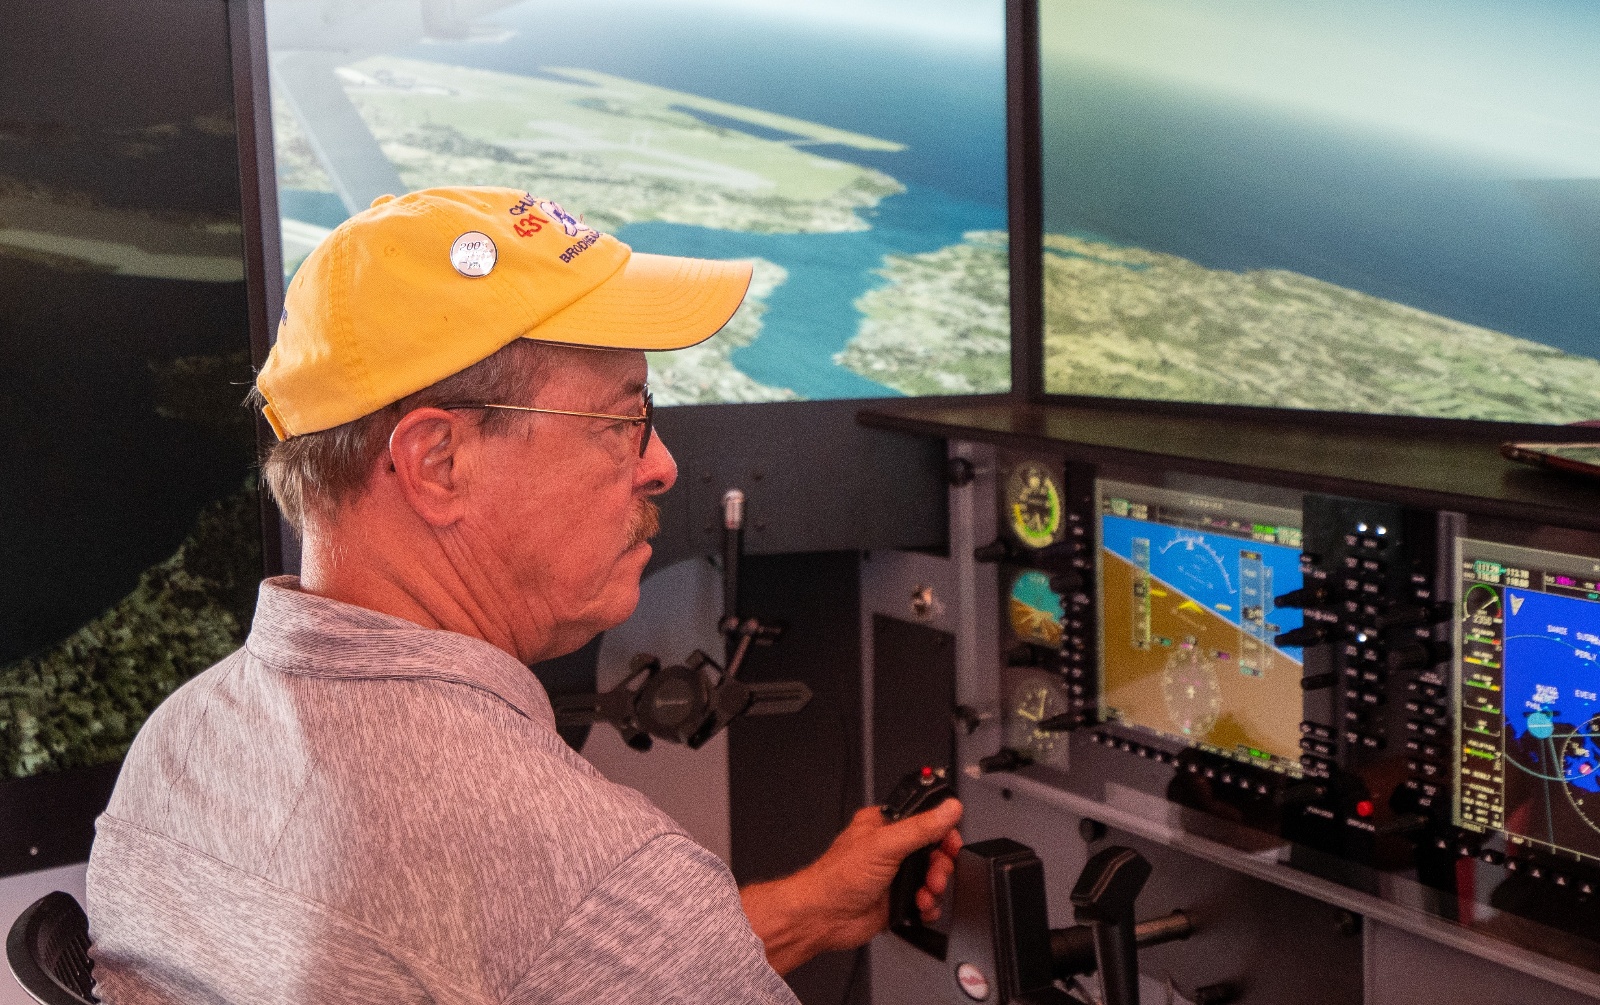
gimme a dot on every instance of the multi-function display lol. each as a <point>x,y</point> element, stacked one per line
<point>1187,583</point>
<point>1529,695</point>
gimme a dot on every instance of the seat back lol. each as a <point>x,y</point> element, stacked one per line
<point>48,949</point>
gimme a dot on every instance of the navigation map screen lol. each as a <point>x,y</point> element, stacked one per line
<point>1187,583</point>
<point>1529,691</point>
<point>854,152</point>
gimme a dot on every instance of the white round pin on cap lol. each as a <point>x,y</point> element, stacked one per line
<point>473,254</point>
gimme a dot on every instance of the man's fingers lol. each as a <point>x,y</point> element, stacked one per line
<point>906,836</point>
<point>940,867</point>
<point>951,845</point>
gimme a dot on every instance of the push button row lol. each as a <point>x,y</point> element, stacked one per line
<point>1524,865</point>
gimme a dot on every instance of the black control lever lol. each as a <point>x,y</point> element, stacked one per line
<point>1004,759</point>
<point>1000,947</point>
<point>1064,561</point>
<point>1411,615</point>
<point>917,792</point>
<point>1313,595</point>
<point>1103,899</point>
<point>1306,635</point>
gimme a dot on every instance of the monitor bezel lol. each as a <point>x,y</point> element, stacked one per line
<point>1480,536</point>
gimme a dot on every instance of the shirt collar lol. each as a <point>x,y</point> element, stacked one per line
<point>301,633</point>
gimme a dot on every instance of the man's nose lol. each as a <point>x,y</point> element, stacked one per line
<point>657,471</point>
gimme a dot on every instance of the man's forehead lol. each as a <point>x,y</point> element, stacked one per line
<point>612,372</point>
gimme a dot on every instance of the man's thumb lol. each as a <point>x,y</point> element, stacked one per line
<point>906,836</point>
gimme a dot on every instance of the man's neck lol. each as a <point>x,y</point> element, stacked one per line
<point>346,567</point>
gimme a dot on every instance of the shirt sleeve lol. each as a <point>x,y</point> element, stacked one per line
<point>665,927</point>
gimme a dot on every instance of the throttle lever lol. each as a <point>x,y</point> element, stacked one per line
<point>1103,899</point>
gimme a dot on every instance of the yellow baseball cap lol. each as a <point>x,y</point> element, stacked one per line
<point>419,287</point>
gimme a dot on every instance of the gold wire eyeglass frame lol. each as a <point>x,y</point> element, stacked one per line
<point>648,418</point>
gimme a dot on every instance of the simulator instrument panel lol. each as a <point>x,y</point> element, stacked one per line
<point>1400,701</point>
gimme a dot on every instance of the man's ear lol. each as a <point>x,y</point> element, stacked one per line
<point>425,459</point>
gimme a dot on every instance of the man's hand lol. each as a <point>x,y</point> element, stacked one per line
<point>841,900</point>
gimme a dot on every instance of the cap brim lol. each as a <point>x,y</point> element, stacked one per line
<point>653,303</point>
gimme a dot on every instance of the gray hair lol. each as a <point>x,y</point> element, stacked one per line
<point>318,472</point>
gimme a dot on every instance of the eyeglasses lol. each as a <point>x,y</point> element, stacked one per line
<point>647,419</point>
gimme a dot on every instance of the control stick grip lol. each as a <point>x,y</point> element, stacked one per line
<point>917,792</point>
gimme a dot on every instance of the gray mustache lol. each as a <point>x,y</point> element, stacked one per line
<point>644,524</point>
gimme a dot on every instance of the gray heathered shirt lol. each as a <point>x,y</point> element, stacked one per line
<point>355,809</point>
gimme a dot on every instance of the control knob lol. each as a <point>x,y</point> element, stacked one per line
<point>1412,615</point>
<point>1313,595</point>
<point>998,550</point>
<point>1305,635</point>
<point>1004,759</point>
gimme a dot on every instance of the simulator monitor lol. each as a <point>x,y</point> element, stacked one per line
<point>854,152</point>
<point>1187,621</point>
<point>1350,207</point>
<point>130,530</point>
<point>1528,689</point>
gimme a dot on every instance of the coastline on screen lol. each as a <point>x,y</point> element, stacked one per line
<point>1389,209</point>
<point>855,154</point>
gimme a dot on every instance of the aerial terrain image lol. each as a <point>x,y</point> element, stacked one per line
<point>130,529</point>
<point>1279,204</point>
<point>854,153</point>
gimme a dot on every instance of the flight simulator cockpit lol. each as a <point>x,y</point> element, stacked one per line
<point>1110,439</point>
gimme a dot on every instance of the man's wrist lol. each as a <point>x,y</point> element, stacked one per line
<point>790,918</point>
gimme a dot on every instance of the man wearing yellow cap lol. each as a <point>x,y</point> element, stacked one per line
<point>369,801</point>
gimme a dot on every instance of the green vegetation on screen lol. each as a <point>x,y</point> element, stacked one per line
<point>1344,207</point>
<point>625,153</point>
<point>79,702</point>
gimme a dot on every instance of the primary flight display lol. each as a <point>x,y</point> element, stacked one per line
<point>1187,583</point>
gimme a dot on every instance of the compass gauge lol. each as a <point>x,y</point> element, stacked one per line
<point>1033,505</point>
<point>1034,699</point>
